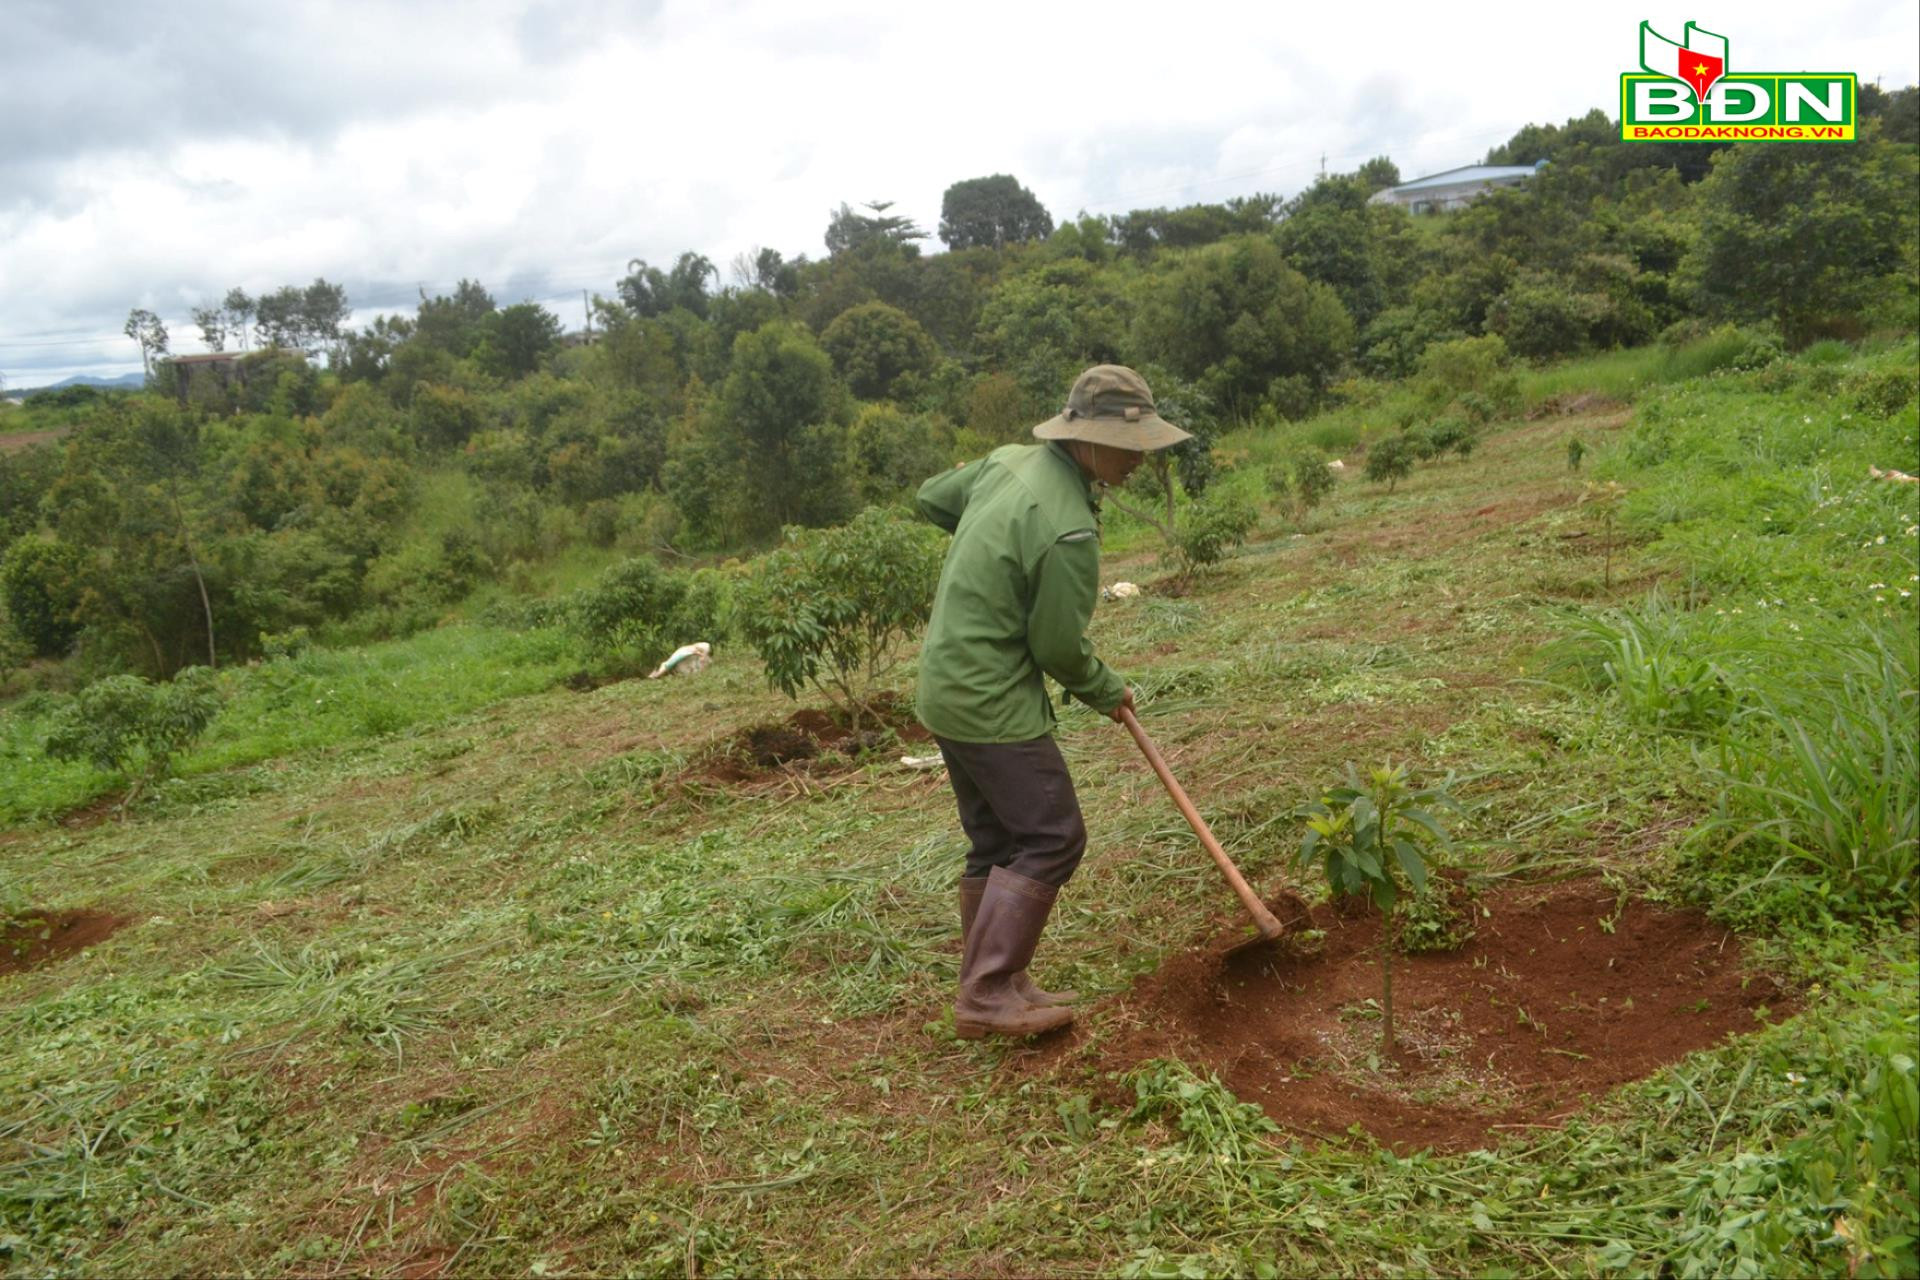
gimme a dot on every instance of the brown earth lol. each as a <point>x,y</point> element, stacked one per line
<point>35,938</point>
<point>1561,995</point>
<point>798,743</point>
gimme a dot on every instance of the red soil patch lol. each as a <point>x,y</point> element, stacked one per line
<point>798,743</point>
<point>39,938</point>
<point>1544,1008</point>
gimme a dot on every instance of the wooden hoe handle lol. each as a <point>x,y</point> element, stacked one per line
<point>1269,927</point>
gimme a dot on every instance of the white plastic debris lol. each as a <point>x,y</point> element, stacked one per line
<point>1336,465</point>
<point>1119,591</point>
<point>687,660</point>
<point>922,762</point>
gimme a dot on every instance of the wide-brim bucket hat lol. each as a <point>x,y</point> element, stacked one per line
<point>1110,404</point>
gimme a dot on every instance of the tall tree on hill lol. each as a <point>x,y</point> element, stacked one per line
<point>649,291</point>
<point>452,323</point>
<point>1805,236</point>
<point>302,319</point>
<point>212,322</point>
<point>781,415</point>
<point>239,309</point>
<point>150,331</point>
<point>992,212</point>
<point>850,232</point>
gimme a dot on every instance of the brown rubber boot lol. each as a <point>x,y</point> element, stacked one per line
<point>971,887</point>
<point>1006,928</point>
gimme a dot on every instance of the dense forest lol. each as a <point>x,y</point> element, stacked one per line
<point>360,483</point>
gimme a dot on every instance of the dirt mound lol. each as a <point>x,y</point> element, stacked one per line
<point>36,938</point>
<point>1560,995</point>
<point>812,740</point>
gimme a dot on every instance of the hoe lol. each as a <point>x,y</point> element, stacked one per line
<point>1269,928</point>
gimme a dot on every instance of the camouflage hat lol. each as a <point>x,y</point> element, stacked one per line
<point>1110,404</point>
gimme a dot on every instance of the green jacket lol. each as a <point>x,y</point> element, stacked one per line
<point>1015,597</point>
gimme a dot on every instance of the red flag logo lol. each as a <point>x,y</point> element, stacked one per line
<point>1697,60</point>
<point>1700,70</point>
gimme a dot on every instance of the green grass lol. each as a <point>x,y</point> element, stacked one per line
<point>321,699</point>
<point>456,969</point>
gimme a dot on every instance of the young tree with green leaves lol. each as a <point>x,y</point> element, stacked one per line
<point>834,608</point>
<point>1371,837</point>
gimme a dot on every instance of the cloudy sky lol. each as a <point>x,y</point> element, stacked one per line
<point>156,155</point>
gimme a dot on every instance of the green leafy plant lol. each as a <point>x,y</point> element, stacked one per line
<point>1668,668</point>
<point>1390,459</point>
<point>1371,836</point>
<point>637,611</point>
<point>832,608</point>
<point>1303,480</point>
<point>132,726</point>
<point>1576,452</point>
<point>1829,781</point>
<point>1208,530</point>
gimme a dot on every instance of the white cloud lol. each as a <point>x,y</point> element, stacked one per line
<point>173,153</point>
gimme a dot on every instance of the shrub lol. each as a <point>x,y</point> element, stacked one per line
<point>1475,373</point>
<point>40,589</point>
<point>832,608</point>
<point>1882,393</point>
<point>1451,435</point>
<point>1303,480</point>
<point>1208,530</point>
<point>636,610</point>
<point>1389,459</point>
<point>131,726</point>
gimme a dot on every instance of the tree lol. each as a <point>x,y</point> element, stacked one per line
<point>770,447</point>
<point>992,212</point>
<point>238,311</point>
<point>213,326</point>
<point>517,339</point>
<point>1390,459</point>
<point>452,323</point>
<point>1239,321</point>
<point>1378,174</point>
<point>834,608</point>
<point>1804,235</point>
<point>40,585</point>
<point>849,232</point>
<point>150,331</point>
<point>126,725</point>
<point>873,345</point>
<point>649,291</point>
<point>301,319</point>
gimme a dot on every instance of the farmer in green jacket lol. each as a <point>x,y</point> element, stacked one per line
<point>1014,600</point>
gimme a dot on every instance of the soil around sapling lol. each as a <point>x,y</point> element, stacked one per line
<point>35,938</point>
<point>1561,994</point>
<point>812,741</point>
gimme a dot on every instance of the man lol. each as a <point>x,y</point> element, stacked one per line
<point>1015,596</point>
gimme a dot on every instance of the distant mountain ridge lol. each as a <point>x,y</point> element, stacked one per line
<point>125,382</point>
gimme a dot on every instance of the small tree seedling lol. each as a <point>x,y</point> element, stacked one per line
<point>1605,500</point>
<point>1371,835</point>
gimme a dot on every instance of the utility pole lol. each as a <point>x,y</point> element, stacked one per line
<point>1323,166</point>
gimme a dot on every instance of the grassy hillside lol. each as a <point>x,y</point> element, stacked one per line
<point>448,968</point>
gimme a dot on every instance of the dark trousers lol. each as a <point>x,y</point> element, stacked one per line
<point>1017,807</point>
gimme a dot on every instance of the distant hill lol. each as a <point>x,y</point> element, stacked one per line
<point>125,382</point>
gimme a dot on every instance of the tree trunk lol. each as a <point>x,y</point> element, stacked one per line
<point>1387,932</point>
<point>206,605</point>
